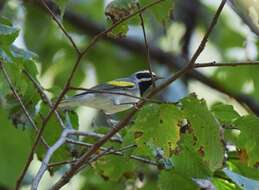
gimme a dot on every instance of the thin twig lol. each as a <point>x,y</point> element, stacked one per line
<point>120,93</point>
<point>216,64</point>
<point>118,152</point>
<point>206,36</point>
<point>125,148</point>
<point>146,46</point>
<point>85,157</point>
<point>93,134</point>
<point>56,164</point>
<point>61,26</point>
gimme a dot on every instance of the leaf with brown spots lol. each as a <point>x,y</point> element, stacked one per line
<point>205,131</point>
<point>154,133</point>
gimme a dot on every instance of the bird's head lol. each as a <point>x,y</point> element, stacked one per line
<point>144,79</point>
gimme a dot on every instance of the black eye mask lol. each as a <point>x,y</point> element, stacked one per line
<point>144,85</point>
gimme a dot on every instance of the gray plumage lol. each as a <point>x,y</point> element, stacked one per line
<point>109,103</point>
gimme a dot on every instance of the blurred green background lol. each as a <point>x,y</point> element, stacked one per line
<point>173,36</point>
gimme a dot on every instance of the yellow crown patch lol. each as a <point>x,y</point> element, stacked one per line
<point>121,83</point>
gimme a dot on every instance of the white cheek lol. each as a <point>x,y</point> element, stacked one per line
<point>144,80</point>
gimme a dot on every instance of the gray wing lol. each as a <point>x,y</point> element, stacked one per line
<point>101,88</point>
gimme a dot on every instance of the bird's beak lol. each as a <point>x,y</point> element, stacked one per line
<point>158,78</point>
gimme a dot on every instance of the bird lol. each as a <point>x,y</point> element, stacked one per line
<point>113,96</point>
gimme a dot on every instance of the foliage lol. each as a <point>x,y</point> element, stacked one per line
<point>173,143</point>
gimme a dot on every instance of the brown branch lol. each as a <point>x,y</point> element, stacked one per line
<point>206,36</point>
<point>216,64</point>
<point>85,158</point>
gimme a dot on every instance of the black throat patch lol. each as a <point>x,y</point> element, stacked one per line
<point>144,85</point>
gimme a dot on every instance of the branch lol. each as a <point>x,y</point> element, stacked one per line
<point>118,152</point>
<point>93,134</point>
<point>85,158</point>
<point>206,36</point>
<point>215,64</point>
<point>62,139</point>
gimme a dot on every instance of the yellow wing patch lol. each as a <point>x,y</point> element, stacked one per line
<point>121,83</point>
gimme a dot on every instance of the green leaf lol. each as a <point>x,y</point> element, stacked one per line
<point>21,53</point>
<point>7,34</point>
<point>243,169</point>
<point>4,57</point>
<point>205,130</point>
<point>189,163</point>
<point>5,21</point>
<point>116,11</point>
<point>161,11</point>
<point>26,57</point>
<point>93,181</point>
<point>224,184</point>
<point>225,113</point>
<point>94,9</point>
<point>18,79</point>
<point>249,137</point>
<point>156,126</point>
<point>14,150</point>
<point>169,180</point>
<point>119,31</point>
<point>51,134</point>
<point>114,167</point>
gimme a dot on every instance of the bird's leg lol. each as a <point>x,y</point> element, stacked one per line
<point>112,122</point>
